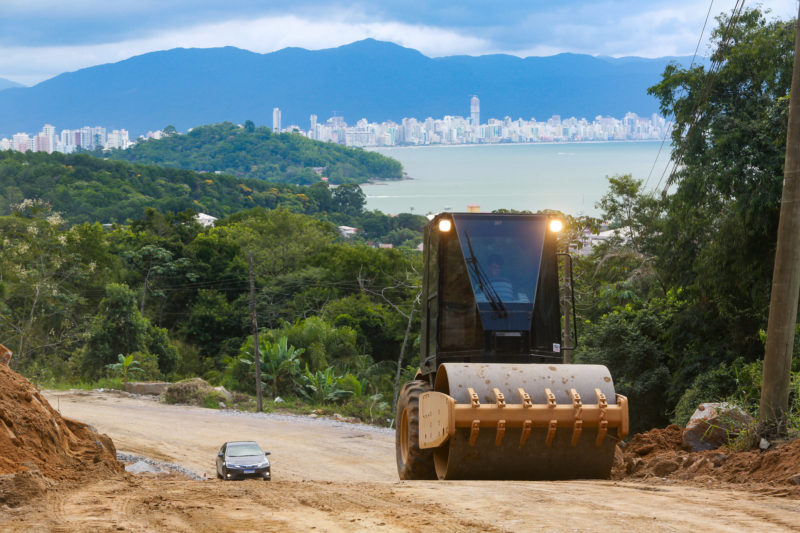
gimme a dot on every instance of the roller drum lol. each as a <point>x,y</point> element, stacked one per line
<point>534,460</point>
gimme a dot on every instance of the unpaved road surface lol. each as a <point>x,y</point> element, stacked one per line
<point>331,476</point>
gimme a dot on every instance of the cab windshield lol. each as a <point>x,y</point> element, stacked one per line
<point>503,256</point>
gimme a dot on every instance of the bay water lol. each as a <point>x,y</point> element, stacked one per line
<point>569,177</point>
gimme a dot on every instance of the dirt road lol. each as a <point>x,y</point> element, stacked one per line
<point>331,476</point>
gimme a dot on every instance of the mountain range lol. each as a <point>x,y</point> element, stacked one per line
<point>5,84</point>
<point>366,79</point>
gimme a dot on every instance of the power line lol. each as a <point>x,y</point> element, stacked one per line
<point>699,108</point>
<point>691,65</point>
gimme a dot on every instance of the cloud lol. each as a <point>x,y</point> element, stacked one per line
<point>33,64</point>
<point>41,39</point>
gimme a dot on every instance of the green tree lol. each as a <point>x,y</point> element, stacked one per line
<point>153,262</point>
<point>349,199</point>
<point>47,275</point>
<point>280,366</point>
<point>629,343</point>
<point>717,235</point>
<point>322,344</point>
<point>119,327</point>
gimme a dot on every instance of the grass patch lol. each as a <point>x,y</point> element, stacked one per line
<point>58,384</point>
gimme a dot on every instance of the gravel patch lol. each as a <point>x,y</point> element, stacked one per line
<point>140,464</point>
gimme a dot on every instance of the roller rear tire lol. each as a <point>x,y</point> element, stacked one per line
<point>413,462</point>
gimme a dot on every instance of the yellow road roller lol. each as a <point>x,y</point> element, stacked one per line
<point>492,398</point>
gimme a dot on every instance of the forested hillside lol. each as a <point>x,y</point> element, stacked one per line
<point>83,188</point>
<point>176,297</point>
<point>74,295</point>
<point>256,152</point>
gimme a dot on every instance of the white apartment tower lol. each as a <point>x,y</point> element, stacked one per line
<point>475,111</point>
<point>313,132</point>
<point>276,120</point>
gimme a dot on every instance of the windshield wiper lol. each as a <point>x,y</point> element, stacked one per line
<point>483,282</point>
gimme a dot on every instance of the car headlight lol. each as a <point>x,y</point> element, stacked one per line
<point>263,465</point>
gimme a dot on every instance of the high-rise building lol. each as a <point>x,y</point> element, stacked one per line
<point>276,120</point>
<point>43,143</point>
<point>86,138</point>
<point>313,131</point>
<point>98,137</point>
<point>118,139</point>
<point>21,142</point>
<point>475,111</point>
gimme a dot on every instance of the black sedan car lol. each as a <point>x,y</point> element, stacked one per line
<point>242,459</point>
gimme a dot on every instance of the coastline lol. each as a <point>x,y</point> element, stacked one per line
<point>386,181</point>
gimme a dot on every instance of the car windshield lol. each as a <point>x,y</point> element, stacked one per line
<point>243,450</point>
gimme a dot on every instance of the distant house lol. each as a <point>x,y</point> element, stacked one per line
<point>205,220</point>
<point>347,231</point>
<point>591,240</point>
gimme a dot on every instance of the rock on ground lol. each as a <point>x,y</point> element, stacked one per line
<point>713,425</point>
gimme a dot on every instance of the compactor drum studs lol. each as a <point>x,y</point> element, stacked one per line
<point>492,399</point>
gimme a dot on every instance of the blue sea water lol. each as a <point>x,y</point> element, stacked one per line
<point>568,177</point>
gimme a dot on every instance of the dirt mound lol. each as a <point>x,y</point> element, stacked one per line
<point>656,441</point>
<point>35,439</point>
<point>659,453</point>
<point>195,391</point>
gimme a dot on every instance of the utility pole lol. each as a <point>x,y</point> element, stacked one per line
<point>567,355</point>
<point>786,273</point>
<point>256,359</point>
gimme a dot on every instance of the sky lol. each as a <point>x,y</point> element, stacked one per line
<point>43,38</point>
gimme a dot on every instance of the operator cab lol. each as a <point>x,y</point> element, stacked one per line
<point>491,290</point>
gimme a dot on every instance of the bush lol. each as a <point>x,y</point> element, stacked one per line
<point>323,386</point>
<point>628,342</point>
<point>351,384</point>
<point>148,367</point>
<point>213,398</point>
<point>280,367</point>
<point>321,343</point>
<point>119,328</point>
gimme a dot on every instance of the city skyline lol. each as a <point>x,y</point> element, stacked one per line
<point>447,130</point>
<point>452,129</point>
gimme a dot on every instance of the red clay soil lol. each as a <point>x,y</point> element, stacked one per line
<point>39,446</point>
<point>659,453</point>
